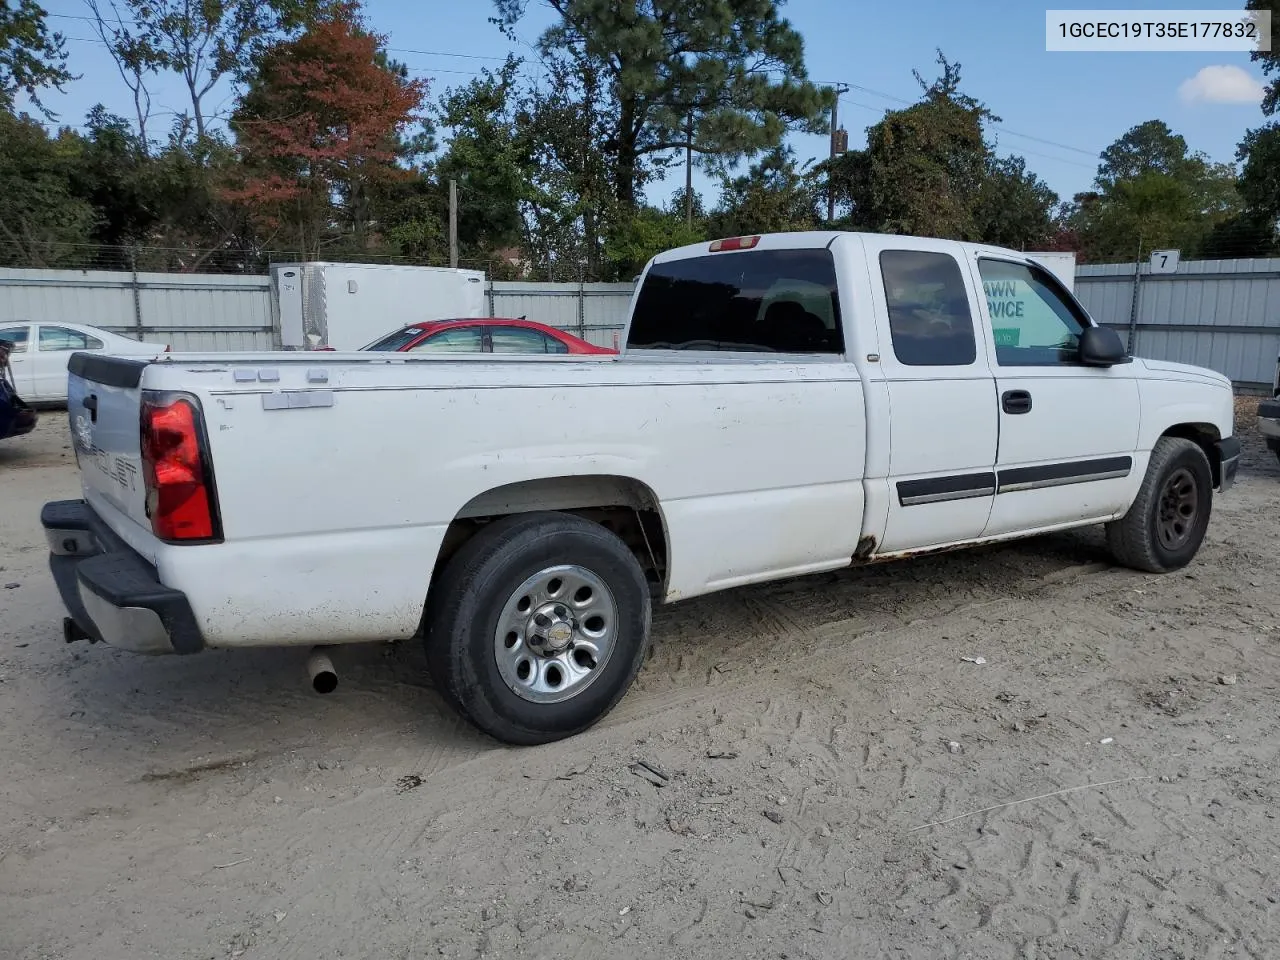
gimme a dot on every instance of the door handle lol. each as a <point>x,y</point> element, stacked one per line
<point>1015,401</point>
<point>91,404</point>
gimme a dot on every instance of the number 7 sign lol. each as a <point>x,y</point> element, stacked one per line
<point>1164,261</point>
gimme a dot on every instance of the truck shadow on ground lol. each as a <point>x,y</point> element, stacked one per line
<point>385,712</point>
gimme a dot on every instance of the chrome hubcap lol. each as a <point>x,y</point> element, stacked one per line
<point>555,634</point>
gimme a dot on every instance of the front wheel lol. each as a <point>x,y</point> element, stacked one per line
<point>1166,523</point>
<point>537,626</point>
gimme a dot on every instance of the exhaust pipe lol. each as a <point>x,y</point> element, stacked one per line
<point>72,632</point>
<point>324,679</point>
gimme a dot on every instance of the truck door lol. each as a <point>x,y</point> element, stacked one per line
<point>1067,432</point>
<point>942,398</point>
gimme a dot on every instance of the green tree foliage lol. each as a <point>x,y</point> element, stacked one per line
<point>645,233</point>
<point>1255,231</point>
<point>564,126</point>
<point>31,56</point>
<point>487,158</point>
<point>929,170</point>
<point>552,164</point>
<point>41,218</point>
<point>1015,208</point>
<point>114,176</point>
<point>1270,59</point>
<point>1149,147</point>
<point>724,76</point>
<point>197,226</point>
<point>776,194</point>
<point>1154,192</point>
<point>1260,177</point>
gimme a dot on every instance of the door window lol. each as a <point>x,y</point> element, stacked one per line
<point>518,340</point>
<point>457,340</point>
<point>929,318</point>
<point>1033,324</point>
<point>60,338</point>
<point>16,337</point>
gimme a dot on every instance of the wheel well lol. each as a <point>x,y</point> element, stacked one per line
<point>1203,435</point>
<point>622,505</point>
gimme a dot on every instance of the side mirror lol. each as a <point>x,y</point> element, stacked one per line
<point>1101,347</point>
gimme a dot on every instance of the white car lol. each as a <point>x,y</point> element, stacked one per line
<point>41,351</point>
<point>785,404</point>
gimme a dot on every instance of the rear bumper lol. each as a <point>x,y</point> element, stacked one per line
<point>111,592</point>
<point>1269,419</point>
<point>1228,462</point>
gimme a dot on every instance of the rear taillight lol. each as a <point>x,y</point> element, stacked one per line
<point>175,469</point>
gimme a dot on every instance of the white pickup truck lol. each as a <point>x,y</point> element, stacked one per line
<point>785,404</point>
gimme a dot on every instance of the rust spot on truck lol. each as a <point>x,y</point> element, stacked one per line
<point>924,551</point>
<point>866,547</point>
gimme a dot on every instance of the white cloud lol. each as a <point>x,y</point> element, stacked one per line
<point>1221,84</point>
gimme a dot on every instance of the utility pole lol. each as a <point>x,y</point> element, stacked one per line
<point>838,145</point>
<point>688,172</point>
<point>453,223</point>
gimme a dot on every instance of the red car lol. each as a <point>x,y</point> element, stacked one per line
<point>484,335</point>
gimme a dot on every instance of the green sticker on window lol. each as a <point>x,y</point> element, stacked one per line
<point>1007,336</point>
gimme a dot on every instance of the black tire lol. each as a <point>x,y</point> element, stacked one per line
<point>467,601</point>
<point>1166,523</point>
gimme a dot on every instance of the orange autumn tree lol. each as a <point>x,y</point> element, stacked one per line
<point>320,129</point>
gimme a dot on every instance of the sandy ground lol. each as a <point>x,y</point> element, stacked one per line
<point>213,807</point>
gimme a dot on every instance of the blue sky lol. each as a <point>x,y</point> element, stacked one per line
<point>1078,102</point>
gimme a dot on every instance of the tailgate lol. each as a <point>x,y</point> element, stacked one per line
<point>104,407</point>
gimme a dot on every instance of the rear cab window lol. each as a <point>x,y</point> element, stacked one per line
<point>766,301</point>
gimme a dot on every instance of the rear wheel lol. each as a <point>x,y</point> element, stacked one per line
<point>1166,524</point>
<point>537,626</point>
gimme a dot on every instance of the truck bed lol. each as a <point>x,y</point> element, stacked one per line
<point>335,503</point>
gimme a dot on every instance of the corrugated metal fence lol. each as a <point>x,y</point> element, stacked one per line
<point>200,312</point>
<point>596,312</point>
<point>1222,314</point>
<point>212,312</point>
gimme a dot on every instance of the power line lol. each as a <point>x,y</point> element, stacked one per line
<point>441,53</point>
<point>1034,153</point>
<point>1013,133</point>
<point>430,71</point>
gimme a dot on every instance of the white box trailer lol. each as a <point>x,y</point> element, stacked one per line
<point>349,305</point>
<point>1061,264</point>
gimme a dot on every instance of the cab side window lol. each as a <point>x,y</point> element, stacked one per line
<point>1033,325</point>
<point>929,317</point>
